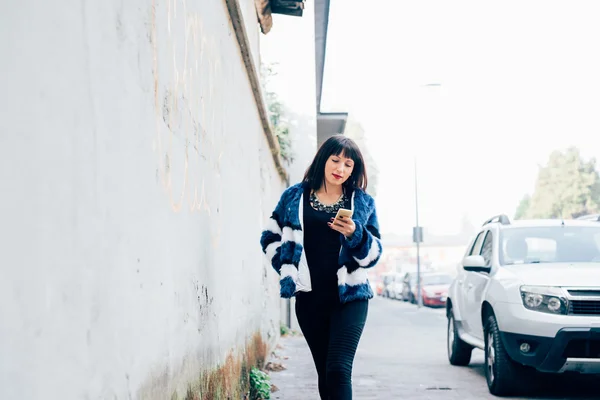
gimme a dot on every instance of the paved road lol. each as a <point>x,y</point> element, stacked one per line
<point>402,355</point>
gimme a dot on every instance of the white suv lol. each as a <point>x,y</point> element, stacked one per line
<point>528,294</point>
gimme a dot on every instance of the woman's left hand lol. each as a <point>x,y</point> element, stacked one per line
<point>343,225</point>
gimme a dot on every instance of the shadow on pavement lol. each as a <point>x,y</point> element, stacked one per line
<point>556,386</point>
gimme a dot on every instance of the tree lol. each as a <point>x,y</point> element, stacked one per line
<point>277,114</point>
<point>523,207</point>
<point>567,187</point>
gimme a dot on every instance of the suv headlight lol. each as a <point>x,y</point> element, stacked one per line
<point>544,299</point>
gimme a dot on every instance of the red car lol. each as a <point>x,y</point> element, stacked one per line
<point>434,289</point>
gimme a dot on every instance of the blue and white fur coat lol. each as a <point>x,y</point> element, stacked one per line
<point>282,242</point>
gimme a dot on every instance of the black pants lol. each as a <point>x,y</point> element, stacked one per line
<point>332,331</point>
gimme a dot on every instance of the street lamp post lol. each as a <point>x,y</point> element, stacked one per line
<point>417,237</point>
<point>418,231</point>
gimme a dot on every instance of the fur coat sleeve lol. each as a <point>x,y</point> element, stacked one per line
<point>365,244</point>
<point>270,239</point>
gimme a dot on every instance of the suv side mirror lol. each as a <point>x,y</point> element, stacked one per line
<point>475,264</point>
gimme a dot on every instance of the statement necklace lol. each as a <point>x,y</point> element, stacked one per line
<point>329,208</point>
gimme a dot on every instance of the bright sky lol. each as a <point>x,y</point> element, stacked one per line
<point>518,80</point>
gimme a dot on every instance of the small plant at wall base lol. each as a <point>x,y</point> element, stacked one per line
<point>260,385</point>
<point>231,379</point>
<point>276,111</point>
<point>284,330</point>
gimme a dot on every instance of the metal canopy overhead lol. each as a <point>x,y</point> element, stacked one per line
<point>321,24</point>
<point>265,9</point>
<point>287,7</point>
<point>328,124</point>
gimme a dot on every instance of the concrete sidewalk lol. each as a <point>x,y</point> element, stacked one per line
<point>378,372</point>
<point>299,379</point>
<point>402,355</point>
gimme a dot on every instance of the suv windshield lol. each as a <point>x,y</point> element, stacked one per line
<point>550,244</point>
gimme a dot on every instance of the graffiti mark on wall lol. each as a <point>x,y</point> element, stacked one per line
<point>204,301</point>
<point>189,112</point>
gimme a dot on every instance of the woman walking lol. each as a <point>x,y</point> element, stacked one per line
<point>322,260</point>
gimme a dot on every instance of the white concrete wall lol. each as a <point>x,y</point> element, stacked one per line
<point>291,46</point>
<point>135,179</point>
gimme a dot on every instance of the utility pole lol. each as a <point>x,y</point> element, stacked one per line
<point>417,238</point>
<point>418,231</point>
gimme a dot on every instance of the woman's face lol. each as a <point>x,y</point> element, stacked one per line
<point>338,169</point>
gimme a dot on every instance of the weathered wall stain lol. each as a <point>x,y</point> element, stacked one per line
<point>229,379</point>
<point>204,301</point>
<point>189,111</point>
<point>186,65</point>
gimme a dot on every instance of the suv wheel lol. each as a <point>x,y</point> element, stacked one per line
<point>501,372</point>
<point>459,352</point>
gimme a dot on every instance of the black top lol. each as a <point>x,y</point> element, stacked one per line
<point>322,247</point>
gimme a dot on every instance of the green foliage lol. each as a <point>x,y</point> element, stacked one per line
<point>260,385</point>
<point>284,330</point>
<point>523,207</point>
<point>567,187</point>
<point>276,111</point>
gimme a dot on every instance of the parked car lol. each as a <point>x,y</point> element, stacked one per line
<point>434,289</point>
<point>409,287</point>
<point>389,285</point>
<point>590,217</point>
<point>528,294</point>
<point>396,288</point>
<point>379,287</point>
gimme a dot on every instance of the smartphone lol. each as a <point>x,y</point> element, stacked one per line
<point>343,212</point>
